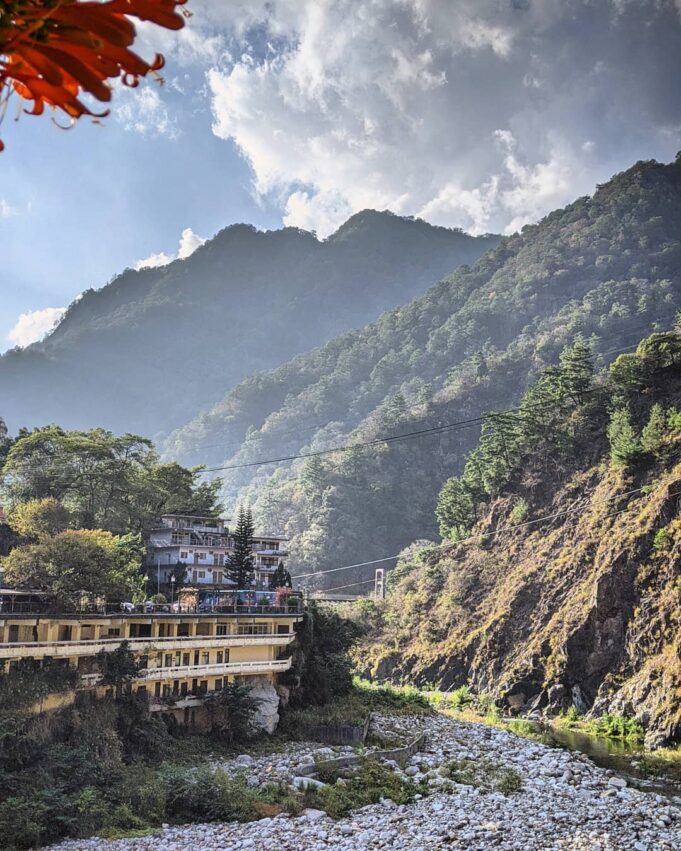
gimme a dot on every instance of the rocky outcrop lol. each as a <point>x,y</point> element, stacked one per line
<point>266,716</point>
<point>584,611</point>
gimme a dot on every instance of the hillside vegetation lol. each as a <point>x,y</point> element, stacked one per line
<point>582,608</point>
<point>153,347</point>
<point>606,269</point>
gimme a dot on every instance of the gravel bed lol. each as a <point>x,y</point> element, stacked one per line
<point>566,802</point>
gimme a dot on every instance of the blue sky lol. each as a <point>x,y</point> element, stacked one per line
<point>480,114</point>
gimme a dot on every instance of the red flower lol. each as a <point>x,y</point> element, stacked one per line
<point>51,51</point>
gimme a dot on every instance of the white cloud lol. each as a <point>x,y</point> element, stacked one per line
<point>342,104</point>
<point>153,261</point>
<point>34,325</point>
<point>142,110</point>
<point>189,242</point>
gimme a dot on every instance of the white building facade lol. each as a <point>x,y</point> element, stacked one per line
<point>204,545</point>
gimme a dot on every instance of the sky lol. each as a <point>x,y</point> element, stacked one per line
<point>479,114</point>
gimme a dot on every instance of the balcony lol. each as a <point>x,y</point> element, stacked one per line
<point>266,666</point>
<point>65,649</point>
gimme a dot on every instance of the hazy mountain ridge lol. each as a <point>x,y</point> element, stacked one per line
<point>606,267</point>
<point>151,348</point>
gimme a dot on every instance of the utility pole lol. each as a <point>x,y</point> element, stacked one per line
<point>379,583</point>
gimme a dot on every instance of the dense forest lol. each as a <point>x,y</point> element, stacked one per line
<point>605,270</point>
<point>557,585</point>
<point>151,348</point>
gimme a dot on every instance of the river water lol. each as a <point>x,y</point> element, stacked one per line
<point>617,755</point>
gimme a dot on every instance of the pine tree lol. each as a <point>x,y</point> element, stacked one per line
<point>624,444</point>
<point>281,578</point>
<point>455,509</point>
<point>653,431</point>
<point>576,371</point>
<point>240,568</point>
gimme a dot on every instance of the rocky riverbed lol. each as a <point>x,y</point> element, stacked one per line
<point>564,802</point>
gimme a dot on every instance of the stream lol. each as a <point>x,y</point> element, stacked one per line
<point>618,756</point>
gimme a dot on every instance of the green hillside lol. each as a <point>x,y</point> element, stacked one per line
<point>558,583</point>
<point>606,269</point>
<point>153,347</point>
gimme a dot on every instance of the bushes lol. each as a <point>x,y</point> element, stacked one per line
<point>231,712</point>
<point>617,727</point>
<point>484,775</point>
<point>368,785</point>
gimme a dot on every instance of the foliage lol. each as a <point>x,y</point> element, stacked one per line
<point>617,727</point>
<point>241,562</point>
<point>78,562</point>
<point>25,686</point>
<point>653,431</point>
<point>625,446</point>
<point>484,775</point>
<point>321,669</point>
<point>281,578</point>
<point>53,53</point>
<point>118,667</point>
<point>230,712</point>
<point>115,483</point>
<point>39,518</point>
<point>371,782</point>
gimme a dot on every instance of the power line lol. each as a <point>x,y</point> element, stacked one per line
<point>472,538</point>
<point>493,534</point>
<point>361,444</point>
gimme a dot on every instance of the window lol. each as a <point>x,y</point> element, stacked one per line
<point>185,658</point>
<point>282,629</point>
<point>218,685</point>
<point>254,629</point>
<point>157,689</point>
<point>169,660</point>
<point>221,629</point>
<point>202,574</point>
<point>219,657</point>
<point>205,658</point>
<point>183,555</point>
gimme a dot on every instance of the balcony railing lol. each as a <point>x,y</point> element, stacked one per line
<point>88,647</point>
<point>194,671</point>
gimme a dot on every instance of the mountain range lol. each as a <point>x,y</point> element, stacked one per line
<point>606,269</point>
<point>153,347</point>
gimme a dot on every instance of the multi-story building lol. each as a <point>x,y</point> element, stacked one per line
<point>204,545</point>
<point>183,656</point>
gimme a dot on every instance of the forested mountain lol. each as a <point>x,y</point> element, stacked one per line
<point>151,348</point>
<point>557,585</point>
<point>606,269</point>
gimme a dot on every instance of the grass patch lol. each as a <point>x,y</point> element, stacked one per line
<point>484,775</point>
<point>353,708</point>
<point>371,782</point>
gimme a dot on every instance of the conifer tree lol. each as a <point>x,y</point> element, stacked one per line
<point>653,431</point>
<point>240,568</point>
<point>624,444</point>
<point>281,578</point>
<point>576,371</point>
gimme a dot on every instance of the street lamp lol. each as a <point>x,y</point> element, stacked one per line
<point>172,591</point>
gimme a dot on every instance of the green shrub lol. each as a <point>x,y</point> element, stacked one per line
<point>368,785</point>
<point>460,698</point>
<point>484,775</point>
<point>617,727</point>
<point>23,821</point>
<point>522,727</point>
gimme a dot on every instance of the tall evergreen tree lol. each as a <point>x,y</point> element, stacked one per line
<point>240,568</point>
<point>281,578</point>
<point>576,371</point>
<point>624,443</point>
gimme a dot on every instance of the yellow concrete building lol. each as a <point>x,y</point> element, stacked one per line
<point>183,655</point>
